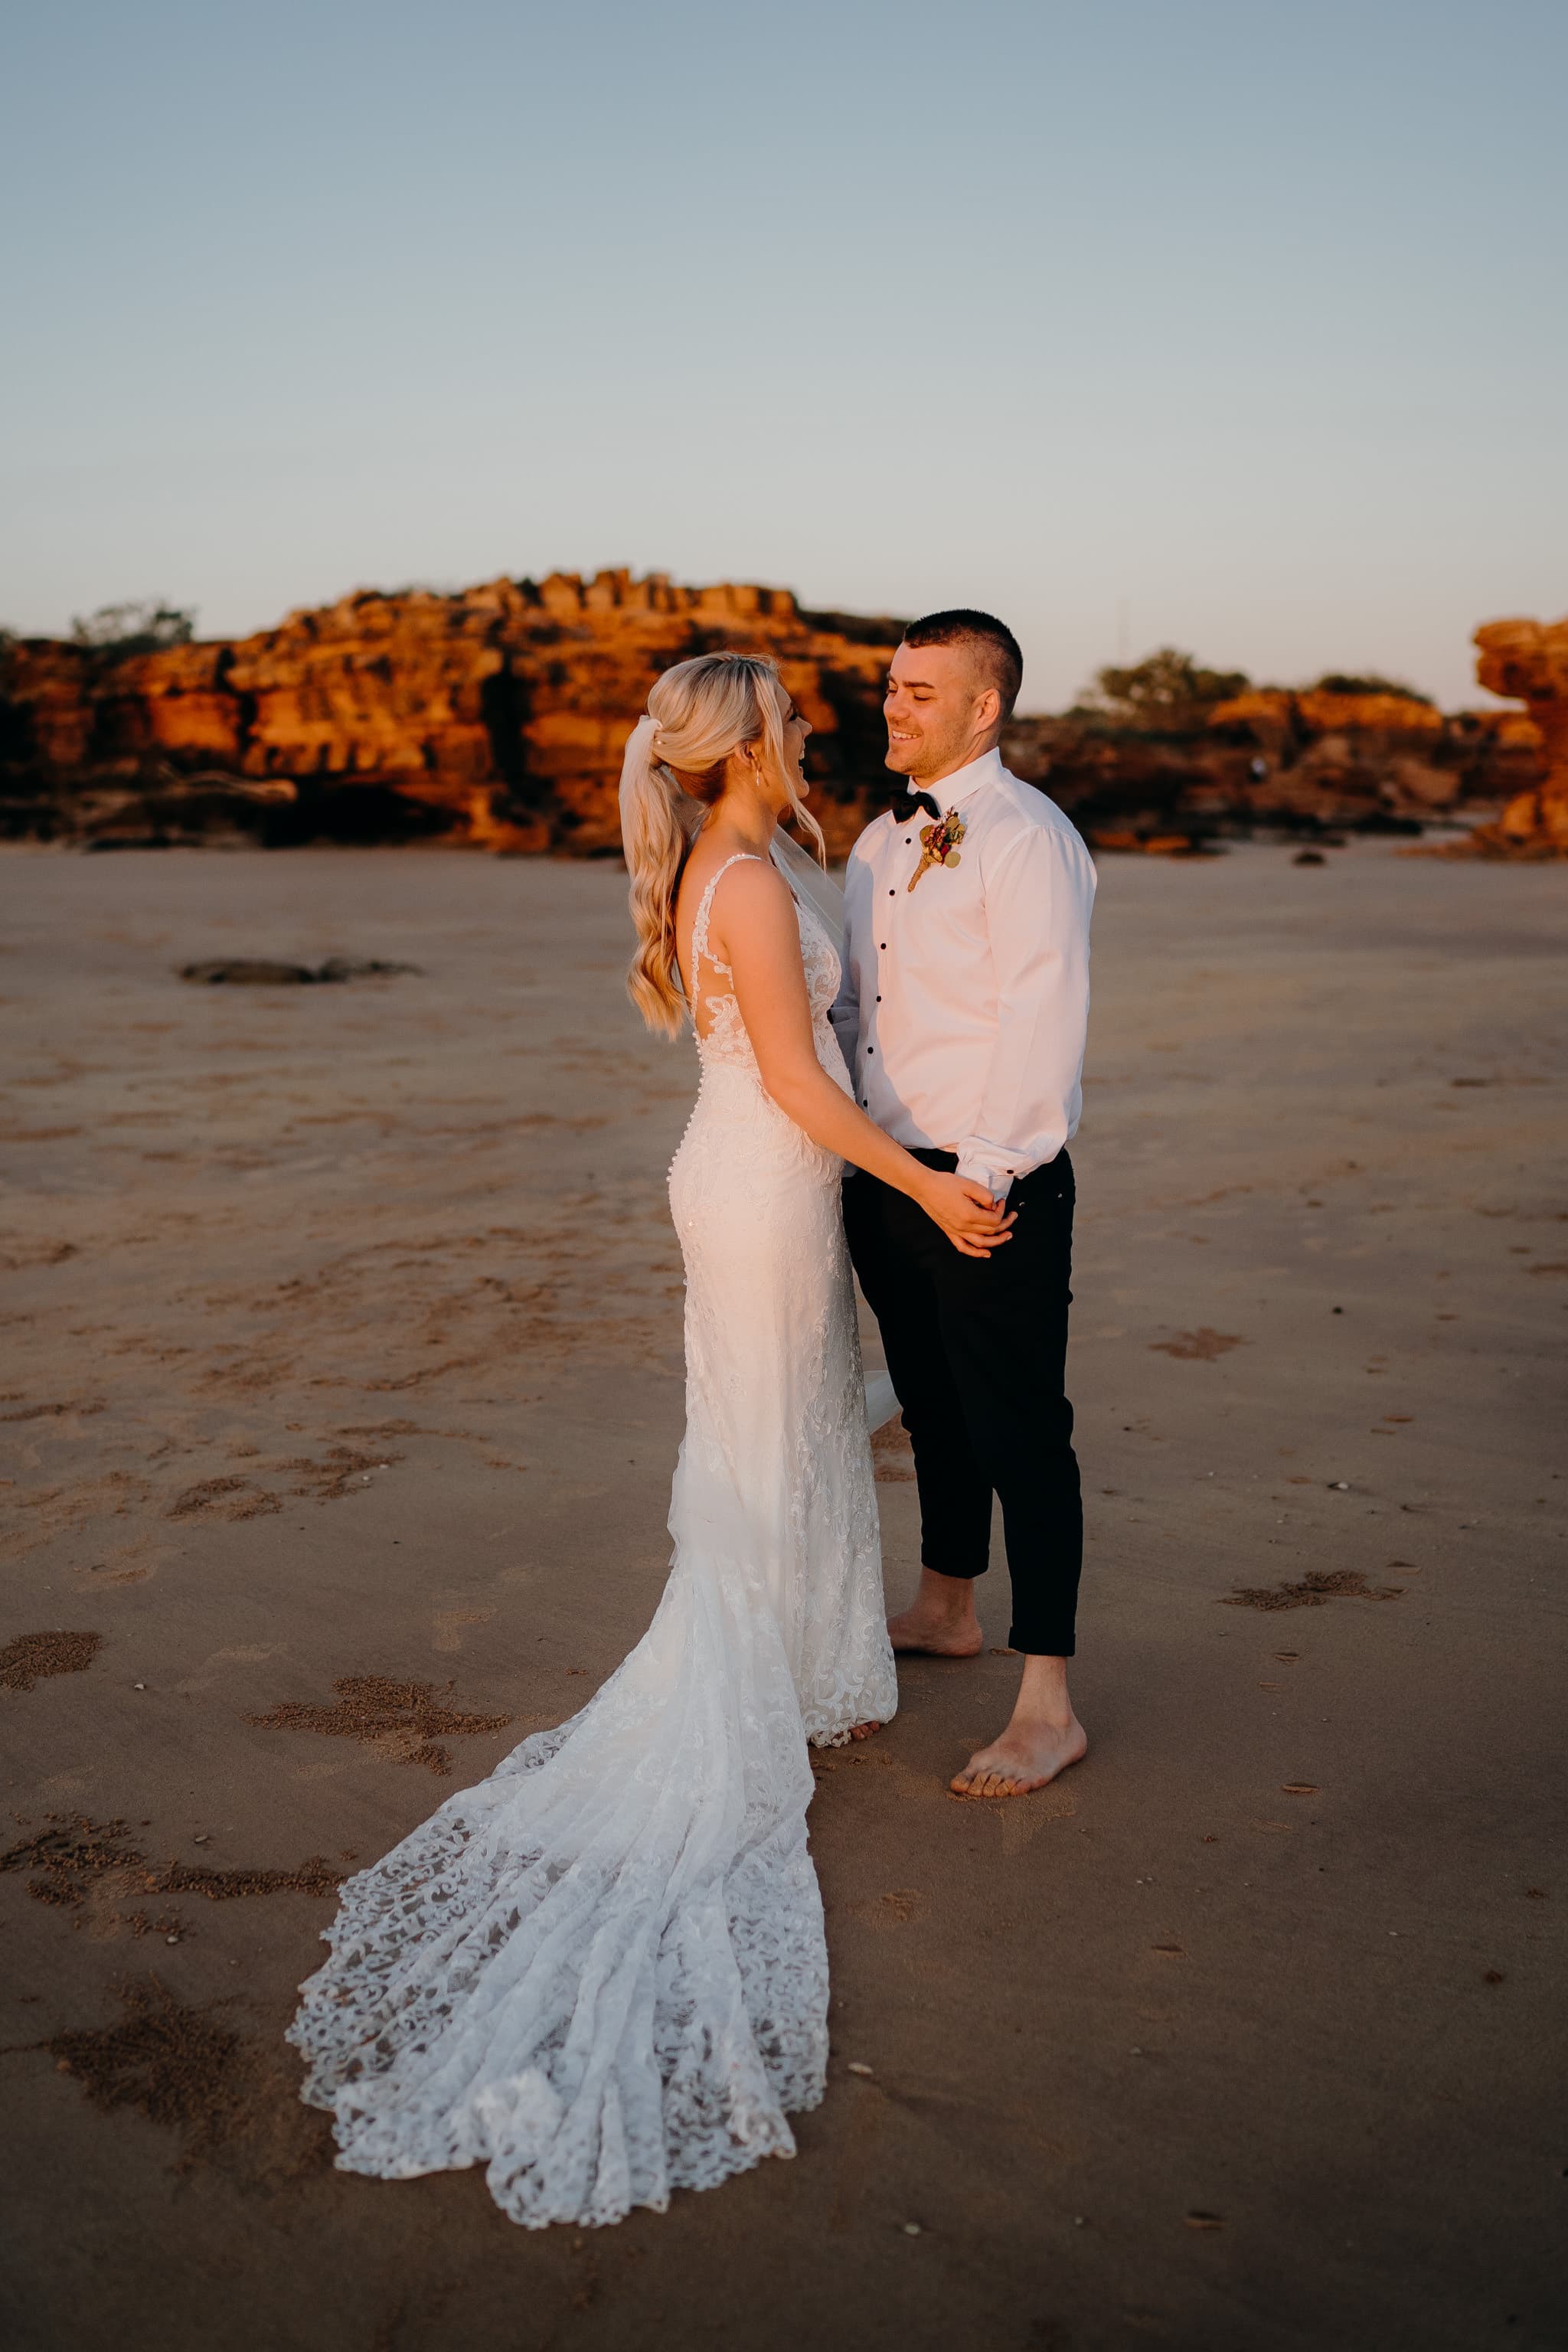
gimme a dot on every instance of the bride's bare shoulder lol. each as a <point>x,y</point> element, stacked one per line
<point>754,905</point>
<point>707,867</point>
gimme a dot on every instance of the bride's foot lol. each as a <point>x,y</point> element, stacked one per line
<point>863,1730</point>
<point>1043,1739</point>
<point>940,1622</point>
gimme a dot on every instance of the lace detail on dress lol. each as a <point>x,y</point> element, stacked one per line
<point>700,947</point>
<point>725,1037</point>
<point>602,1973</point>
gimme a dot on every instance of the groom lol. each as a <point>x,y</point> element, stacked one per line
<point>961,1017</point>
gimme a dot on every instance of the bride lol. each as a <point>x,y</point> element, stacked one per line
<point>602,1973</point>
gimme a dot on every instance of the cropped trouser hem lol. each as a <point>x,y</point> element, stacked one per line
<point>977,1351</point>
<point>1042,1638</point>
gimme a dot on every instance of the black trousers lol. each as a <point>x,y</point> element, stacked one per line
<point>977,1351</point>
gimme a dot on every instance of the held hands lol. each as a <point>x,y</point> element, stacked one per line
<point>966,1214</point>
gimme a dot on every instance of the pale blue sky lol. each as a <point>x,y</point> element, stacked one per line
<point>1239,326</point>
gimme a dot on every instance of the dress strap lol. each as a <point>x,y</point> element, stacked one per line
<point>704,908</point>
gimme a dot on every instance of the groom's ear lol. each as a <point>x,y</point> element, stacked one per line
<point>988,709</point>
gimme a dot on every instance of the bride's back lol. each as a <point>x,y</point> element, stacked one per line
<point>699,941</point>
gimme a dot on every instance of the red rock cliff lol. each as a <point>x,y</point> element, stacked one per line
<point>497,715</point>
<point>1275,758</point>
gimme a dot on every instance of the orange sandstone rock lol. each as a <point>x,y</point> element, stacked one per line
<point>496,716</point>
<point>1527,662</point>
<point>1331,714</point>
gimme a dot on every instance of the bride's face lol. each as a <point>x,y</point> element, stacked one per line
<point>745,771</point>
<point>796,729</point>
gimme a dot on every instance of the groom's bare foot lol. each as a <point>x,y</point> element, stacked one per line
<point>1021,1760</point>
<point>1043,1739</point>
<point>940,1622</point>
<point>913,1631</point>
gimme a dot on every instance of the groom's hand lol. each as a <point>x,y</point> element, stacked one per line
<point>974,1223</point>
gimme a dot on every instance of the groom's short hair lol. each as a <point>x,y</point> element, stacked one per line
<point>995,647</point>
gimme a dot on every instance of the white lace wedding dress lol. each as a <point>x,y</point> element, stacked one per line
<point>602,1973</point>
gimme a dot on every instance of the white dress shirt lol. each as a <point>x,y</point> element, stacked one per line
<point>965,1002</point>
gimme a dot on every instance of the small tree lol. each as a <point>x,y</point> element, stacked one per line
<point>1167,692</point>
<point>145,625</point>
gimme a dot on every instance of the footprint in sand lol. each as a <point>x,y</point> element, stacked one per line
<point>1199,1347</point>
<point>449,1624</point>
<point>1024,1818</point>
<point>893,1910</point>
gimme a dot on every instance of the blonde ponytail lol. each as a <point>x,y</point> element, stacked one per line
<point>698,713</point>
<point>655,838</point>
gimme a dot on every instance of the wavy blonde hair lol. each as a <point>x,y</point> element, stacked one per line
<point>698,713</point>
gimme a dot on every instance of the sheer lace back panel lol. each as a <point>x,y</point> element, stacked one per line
<point>724,1038</point>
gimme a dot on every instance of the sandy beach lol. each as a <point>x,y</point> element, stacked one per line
<point>1249,2034</point>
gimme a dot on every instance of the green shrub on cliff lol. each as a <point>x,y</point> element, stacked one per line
<point>1167,693</point>
<point>1336,681</point>
<point>145,625</point>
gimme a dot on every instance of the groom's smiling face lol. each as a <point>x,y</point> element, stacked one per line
<point>941,710</point>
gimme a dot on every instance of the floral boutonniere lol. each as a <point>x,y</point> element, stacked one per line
<point>938,844</point>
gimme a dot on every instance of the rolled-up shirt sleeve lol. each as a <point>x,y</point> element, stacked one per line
<point>1038,905</point>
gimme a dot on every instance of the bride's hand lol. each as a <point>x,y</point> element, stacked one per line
<point>966,1214</point>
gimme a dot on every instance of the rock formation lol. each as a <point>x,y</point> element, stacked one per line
<point>1527,662</point>
<point>1301,761</point>
<point>496,716</point>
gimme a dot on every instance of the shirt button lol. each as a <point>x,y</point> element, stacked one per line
<point>870,1049</point>
<point>878,1000</point>
<point>890,894</point>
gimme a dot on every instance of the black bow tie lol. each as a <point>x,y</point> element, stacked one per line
<point>906,803</point>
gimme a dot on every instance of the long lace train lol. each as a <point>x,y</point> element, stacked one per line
<point>602,1973</point>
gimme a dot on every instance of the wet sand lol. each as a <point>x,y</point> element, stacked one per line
<point>339,1397</point>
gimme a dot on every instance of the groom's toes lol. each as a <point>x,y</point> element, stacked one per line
<point>989,1780</point>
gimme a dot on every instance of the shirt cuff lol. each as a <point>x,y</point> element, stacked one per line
<point>996,1181</point>
<point>985,1162</point>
